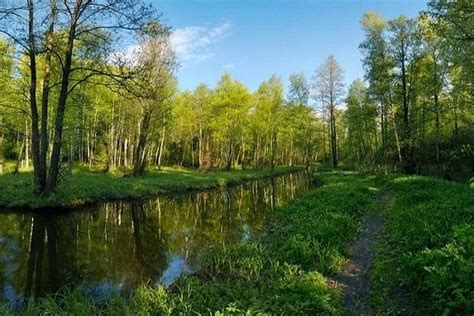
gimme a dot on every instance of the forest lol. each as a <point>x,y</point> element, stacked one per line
<point>92,118</point>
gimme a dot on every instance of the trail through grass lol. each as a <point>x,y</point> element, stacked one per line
<point>423,259</point>
<point>285,271</point>
<point>355,277</point>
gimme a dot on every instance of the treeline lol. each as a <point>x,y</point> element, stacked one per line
<point>416,107</point>
<point>94,82</point>
<point>142,120</point>
<point>76,90</point>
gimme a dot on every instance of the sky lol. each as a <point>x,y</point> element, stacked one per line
<point>254,39</point>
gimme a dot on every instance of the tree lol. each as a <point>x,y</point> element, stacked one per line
<point>299,89</point>
<point>6,68</point>
<point>152,86</point>
<point>454,21</point>
<point>435,76</point>
<point>80,29</point>
<point>404,43</point>
<point>378,65</point>
<point>298,98</point>
<point>1,146</point>
<point>231,103</point>
<point>360,115</point>
<point>269,106</point>
<point>202,98</point>
<point>329,88</point>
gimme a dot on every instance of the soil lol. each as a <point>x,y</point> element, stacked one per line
<point>355,278</point>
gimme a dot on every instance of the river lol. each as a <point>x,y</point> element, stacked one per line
<point>117,246</point>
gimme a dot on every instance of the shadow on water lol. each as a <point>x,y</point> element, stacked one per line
<point>118,246</point>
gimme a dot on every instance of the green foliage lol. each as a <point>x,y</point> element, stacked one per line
<point>420,82</point>
<point>427,249</point>
<point>284,271</point>
<point>360,118</point>
<point>424,259</point>
<point>85,187</point>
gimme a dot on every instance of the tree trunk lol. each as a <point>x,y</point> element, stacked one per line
<point>20,156</point>
<point>59,123</point>
<point>200,147</point>
<point>397,138</point>
<point>162,143</point>
<point>140,151</point>
<point>27,147</point>
<point>242,157</point>
<point>333,137</point>
<point>437,106</point>
<point>125,153</point>
<point>1,147</point>
<point>207,159</point>
<point>406,150</point>
<point>438,132</point>
<point>110,144</point>
<point>382,127</point>
<point>273,152</point>
<point>42,172</point>
<point>35,140</point>
<point>230,154</point>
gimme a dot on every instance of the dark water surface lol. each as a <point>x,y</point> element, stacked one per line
<point>119,245</point>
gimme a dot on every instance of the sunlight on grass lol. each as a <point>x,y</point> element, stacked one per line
<point>427,248</point>
<point>283,271</point>
<point>86,186</point>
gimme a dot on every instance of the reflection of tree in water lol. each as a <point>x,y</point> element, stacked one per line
<point>120,245</point>
<point>149,249</point>
<point>44,267</point>
<point>125,244</point>
<point>44,270</point>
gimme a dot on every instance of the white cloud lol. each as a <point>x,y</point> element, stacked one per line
<point>229,66</point>
<point>192,44</point>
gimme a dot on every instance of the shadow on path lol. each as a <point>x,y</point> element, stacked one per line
<point>355,278</point>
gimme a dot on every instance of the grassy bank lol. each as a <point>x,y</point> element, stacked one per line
<point>424,262</point>
<point>425,259</point>
<point>85,187</point>
<point>286,271</point>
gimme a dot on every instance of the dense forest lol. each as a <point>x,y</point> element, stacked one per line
<point>91,110</point>
<point>68,95</point>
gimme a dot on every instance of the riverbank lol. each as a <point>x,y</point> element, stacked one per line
<point>423,257</point>
<point>86,187</point>
<point>286,270</point>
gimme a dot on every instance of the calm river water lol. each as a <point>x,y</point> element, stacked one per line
<point>119,245</point>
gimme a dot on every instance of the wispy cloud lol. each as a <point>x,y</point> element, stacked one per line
<point>192,44</point>
<point>229,66</point>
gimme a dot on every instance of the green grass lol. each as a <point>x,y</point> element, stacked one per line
<point>286,271</point>
<point>425,260</point>
<point>85,187</point>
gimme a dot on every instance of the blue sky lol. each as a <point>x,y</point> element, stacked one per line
<point>253,39</point>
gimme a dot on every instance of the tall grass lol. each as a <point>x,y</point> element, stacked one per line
<point>425,261</point>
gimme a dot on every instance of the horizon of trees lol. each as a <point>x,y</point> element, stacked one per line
<point>415,107</point>
<point>69,96</point>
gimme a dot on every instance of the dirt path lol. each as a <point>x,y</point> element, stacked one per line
<point>355,278</point>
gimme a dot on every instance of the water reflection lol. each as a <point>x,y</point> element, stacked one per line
<point>120,245</point>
